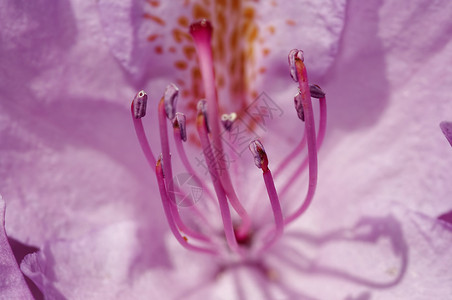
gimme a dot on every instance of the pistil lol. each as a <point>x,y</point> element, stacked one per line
<point>202,34</point>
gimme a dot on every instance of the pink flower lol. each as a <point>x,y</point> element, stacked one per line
<point>76,185</point>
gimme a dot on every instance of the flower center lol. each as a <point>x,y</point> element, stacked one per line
<point>237,235</point>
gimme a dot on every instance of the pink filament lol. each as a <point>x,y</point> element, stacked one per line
<point>144,143</point>
<point>169,216</point>
<point>169,174</point>
<point>320,138</point>
<point>311,139</point>
<point>276,208</point>
<point>222,201</point>
<point>186,163</point>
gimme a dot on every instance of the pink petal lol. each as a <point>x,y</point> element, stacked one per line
<point>383,114</point>
<point>446,127</point>
<point>404,255</point>
<point>100,265</point>
<point>12,282</point>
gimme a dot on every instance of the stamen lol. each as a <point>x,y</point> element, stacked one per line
<point>179,127</point>
<point>179,124</point>
<point>221,196</point>
<point>299,106</point>
<point>169,216</point>
<point>167,168</point>
<point>296,58</point>
<point>228,120</point>
<point>320,138</point>
<point>316,92</point>
<point>171,95</point>
<point>261,161</point>
<point>139,104</point>
<point>138,110</point>
<point>202,108</point>
<point>260,157</point>
<point>201,32</point>
<point>294,53</point>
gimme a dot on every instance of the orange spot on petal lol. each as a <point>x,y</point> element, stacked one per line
<point>181,65</point>
<point>265,51</point>
<point>199,12</point>
<point>183,21</point>
<point>248,13</point>
<point>180,82</point>
<point>153,37</point>
<point>271,29</point>
<point>291,22</point>
<point>179,35</point>
<point>158,49</point>
<point>189,52</point>
<point>156,19</point>
<point>153,3</point>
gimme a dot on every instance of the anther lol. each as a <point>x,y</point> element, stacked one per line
<point>259,154</point>
<point>159,164</point>
<point>228,120</point>
<point>171,94</point>
<point>202,109</point>
<point>293,55</point>
<point>299,106</point>
<point>139,104</point>
<point>316,91</point>
<point>179,122</point>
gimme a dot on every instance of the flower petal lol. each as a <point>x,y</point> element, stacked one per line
<point>67,163</point>
<point>383,116</point>
<point>402,255</point>
<point>12,282</point>
<point>50,51</point>
<point>446,127</point>
<point>100,265</point>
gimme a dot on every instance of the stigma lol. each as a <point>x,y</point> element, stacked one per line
<point>221,223</point>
